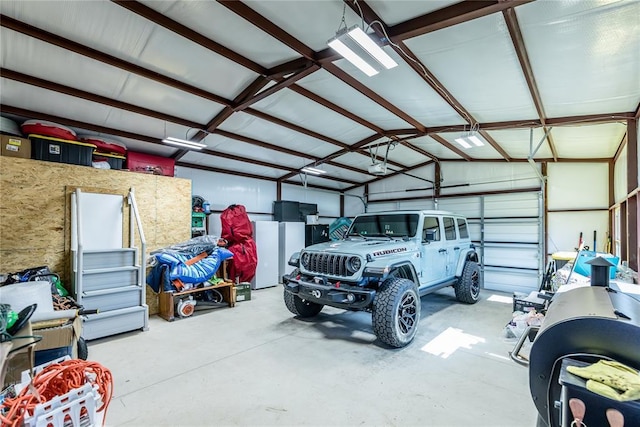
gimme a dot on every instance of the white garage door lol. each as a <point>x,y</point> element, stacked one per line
<point>507,230</point>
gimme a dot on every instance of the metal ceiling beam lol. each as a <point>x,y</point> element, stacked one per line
<point>450,146</point>
<point>67,44</point>
<point>256,85</point>
<point>226,112</point>
<point>621,146</point>
<point>224,171</point>
<point>437,20</point>
<point>263,144</point>
<point>343,166</point>
<point>291,126</point>
<point>513,26</point>
<point>8,109</point>
<point>418,149</point>
<point>278,86</point>
<point>290,67</point>
<point>449,16</point>
<point>268,27</point>
<point>369,15</point>
<point>348,79</point>
<point>186,32</point>
<point>55,87</point>
<point>330,105</point>
<point>316,186</point>
<point>494,144</point>
<point>245,159</point>
<point>395,173</point>
<point>591,119</point>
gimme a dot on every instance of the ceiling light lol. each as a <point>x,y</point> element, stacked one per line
<point>475,140</point>
<point>359,49</point>
<point>313,171</point>
<point>184,143</point>
<point>463,142</point>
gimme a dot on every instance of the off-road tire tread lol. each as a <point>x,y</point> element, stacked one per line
<point>463,286</point>
<point>385,305</point>
<point>300,307</point>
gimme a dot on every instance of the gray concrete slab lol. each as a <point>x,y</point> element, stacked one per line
<point>256,365</point>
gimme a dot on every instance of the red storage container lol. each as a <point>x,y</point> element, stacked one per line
<point>148,163</point>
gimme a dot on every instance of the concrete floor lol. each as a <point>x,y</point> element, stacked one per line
<point>256,365</point>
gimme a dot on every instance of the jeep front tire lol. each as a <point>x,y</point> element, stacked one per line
<point>301,307</point>
<point>469,283</point>
<point>396,312</point>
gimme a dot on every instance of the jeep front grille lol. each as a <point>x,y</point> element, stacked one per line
<point>330,264</point>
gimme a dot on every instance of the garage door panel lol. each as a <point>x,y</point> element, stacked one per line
<point>510,280</point>
<point>512,205</point>
<point>523,257</point>
<point>510,232</point>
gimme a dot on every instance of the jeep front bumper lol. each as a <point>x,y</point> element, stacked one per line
<point>321,291</point>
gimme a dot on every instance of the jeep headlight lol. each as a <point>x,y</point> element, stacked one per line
<point>304,260</point>
<point>353,264</point>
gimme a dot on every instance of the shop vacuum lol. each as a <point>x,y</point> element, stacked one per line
<point>582,326</point>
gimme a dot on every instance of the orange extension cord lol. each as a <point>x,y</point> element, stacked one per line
<point>56,380</point>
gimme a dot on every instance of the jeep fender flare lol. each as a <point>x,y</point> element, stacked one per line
<point>468,254</point>
<point>408,271</point>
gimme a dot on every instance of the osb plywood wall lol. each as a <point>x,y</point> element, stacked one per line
<point>35,211</point>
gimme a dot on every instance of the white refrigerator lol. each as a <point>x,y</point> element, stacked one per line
<point>291,241</point>
<point>265,234</point>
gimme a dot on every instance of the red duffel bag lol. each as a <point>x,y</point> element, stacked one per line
<point>236,226</point>
<point>242,267</point>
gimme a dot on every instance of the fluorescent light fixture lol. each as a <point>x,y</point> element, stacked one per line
<point>475,140</point>
<point>184,143</point>
<point>466,140</point>
<point>359,49</point>
<point>463,142</point>
<point>352,57</point>
<point>313,171</point>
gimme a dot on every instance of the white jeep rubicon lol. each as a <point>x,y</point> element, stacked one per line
<point>384,264</point>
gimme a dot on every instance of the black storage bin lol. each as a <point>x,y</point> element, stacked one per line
<point>316,233</point>
<point>60,150</point>
<point>115,162</point>
<point>287,211</point>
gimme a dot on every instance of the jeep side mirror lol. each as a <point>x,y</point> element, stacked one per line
<point>429,235</point>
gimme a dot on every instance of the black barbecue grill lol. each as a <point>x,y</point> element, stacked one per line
<point>581,326</point>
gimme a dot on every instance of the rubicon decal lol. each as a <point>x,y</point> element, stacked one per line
<point>389,251</point>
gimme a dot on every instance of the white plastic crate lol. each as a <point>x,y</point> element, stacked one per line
<point>67,410</point>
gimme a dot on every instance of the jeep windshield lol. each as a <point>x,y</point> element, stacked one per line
<point>395,226</point>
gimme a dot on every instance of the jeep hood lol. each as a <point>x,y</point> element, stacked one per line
<point>363,246</point>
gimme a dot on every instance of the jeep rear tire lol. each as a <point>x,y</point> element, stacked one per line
<point>301,307</point>
<point>396,312</point>
<point>469,283</point>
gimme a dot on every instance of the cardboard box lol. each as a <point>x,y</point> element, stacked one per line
<point>61,336</point>
<point>18,359</point>
<point>13,146</point>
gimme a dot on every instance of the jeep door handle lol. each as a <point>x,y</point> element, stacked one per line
<point>442,250</point>
<point>457,248</point>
